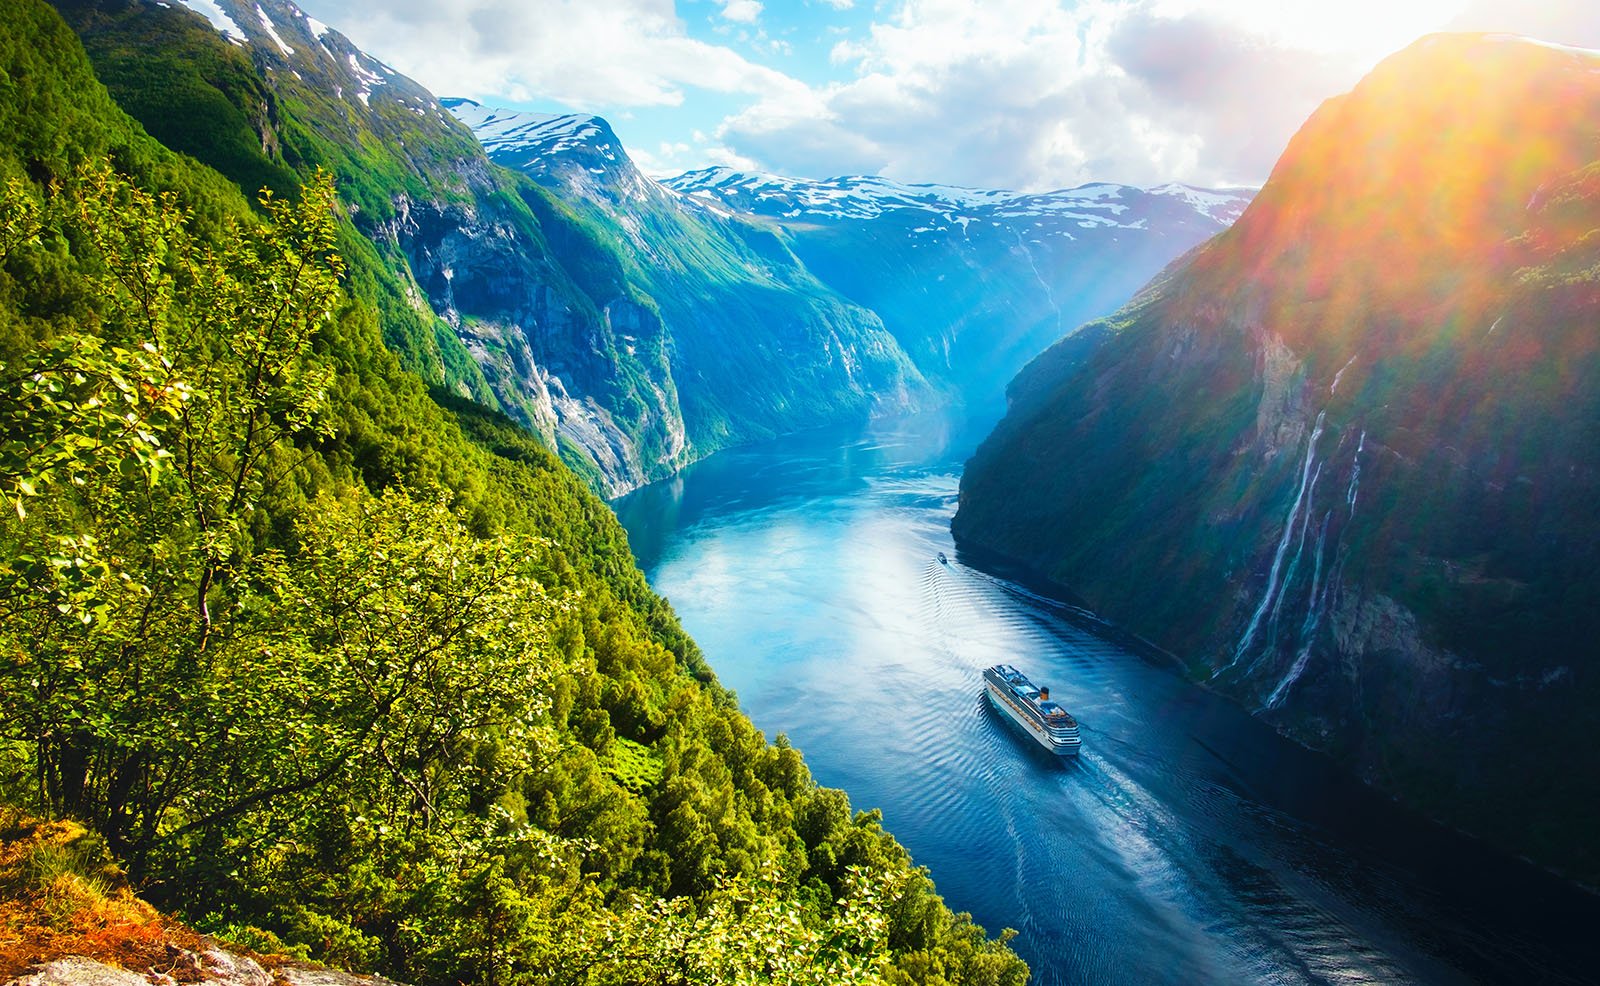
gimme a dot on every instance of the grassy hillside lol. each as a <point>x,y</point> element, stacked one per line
<point>537,287</point>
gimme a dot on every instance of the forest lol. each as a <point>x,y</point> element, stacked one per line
<point>341,666</point>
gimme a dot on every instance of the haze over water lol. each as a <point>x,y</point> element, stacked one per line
<point>1188,844</point>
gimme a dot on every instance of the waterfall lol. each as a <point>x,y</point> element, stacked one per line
<point>1283,547</point>
<point>1049,295</point>
<point>1315,604</point>
<point>1336,377</point>
<point>1355,473</point>
<point>1294,563</point>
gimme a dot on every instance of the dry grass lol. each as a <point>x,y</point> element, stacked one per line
<point>61,895</point>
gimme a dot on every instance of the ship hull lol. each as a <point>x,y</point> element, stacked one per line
<point>1007,706</point>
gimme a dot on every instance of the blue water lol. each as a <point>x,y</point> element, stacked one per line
<point>1188,843</point>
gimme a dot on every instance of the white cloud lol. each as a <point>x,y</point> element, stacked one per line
<point>579,52</point>
<point>741,11</point>
<point>1001,93</point>
<point>840,4</point>
<point>1039,93</point>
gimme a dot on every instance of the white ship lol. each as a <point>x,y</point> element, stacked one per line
<point>1011,692</point>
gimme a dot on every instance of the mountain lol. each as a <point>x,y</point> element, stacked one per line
<point>760,345</point>
<point>968,283</point>
<point>487,287</point>
<point>1342,459</point>
<point>491,286</point>
<point>974,283</point>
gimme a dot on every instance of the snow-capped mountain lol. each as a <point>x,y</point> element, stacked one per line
<point>971,283</point>
<point>295,41</point>
<point>507,132</point>
<point>975,282</point>
<point>630,358</point>
<point>762,321</point>
<point>576,153</point>
<point>868,197</point>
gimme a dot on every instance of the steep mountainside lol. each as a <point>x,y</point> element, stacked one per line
<point>760,345</point>
<point>974,283</point>
<point>1343,459</point>
<point>338,666</point>
<point>486,285</point>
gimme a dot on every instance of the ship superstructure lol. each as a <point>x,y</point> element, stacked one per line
<point>1030,707</point>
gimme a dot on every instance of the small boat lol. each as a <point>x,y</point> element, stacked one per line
<point>942,559</point>
<point>1051,726</point>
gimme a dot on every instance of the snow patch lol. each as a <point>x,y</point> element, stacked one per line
<point>369,73</point>
<point>500,130</point>
<point>272,32</point>
<point>1097,205</point>
<point>218,17</point>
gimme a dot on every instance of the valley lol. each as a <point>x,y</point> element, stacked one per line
<point>445,541</point>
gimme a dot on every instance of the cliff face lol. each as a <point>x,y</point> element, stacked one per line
<point>1342,459</point>
<point>759,345</point>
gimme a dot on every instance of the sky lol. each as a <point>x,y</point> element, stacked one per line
<point>1019,94</point>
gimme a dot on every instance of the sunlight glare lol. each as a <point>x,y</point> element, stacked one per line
<point>1366,29</point>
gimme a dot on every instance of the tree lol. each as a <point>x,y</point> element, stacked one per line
<point>200,360</point>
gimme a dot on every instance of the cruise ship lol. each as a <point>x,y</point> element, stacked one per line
<point>1011,692</point>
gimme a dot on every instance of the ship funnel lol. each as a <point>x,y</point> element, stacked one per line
<point>1044,694</point>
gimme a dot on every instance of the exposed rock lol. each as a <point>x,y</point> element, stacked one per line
<point>213,966</point>
<point>78,971</point>
<point>330,977</point>
<point>233,970</point>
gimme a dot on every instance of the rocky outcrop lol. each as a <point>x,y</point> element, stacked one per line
<point>214,965</point>
<point>1340,459</point>
<point>566,363</point>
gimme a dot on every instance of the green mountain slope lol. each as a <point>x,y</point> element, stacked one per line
<point>485,284</point>
<point>571,318</point>
<point>335,667</point>
<point>1340,459</point>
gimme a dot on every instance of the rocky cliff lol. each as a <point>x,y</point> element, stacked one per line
<point>1341,460</point>
<point>760,346</point>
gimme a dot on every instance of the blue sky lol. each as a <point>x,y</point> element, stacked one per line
<point>1027,94</point>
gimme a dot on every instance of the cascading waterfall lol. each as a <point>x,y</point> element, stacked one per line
<point>1334,388</point>
<point>1283,547</point>
<point>1049,295</point>
<point>1315,604</point>
<point>1294,564</point>
<point>1355,473</point>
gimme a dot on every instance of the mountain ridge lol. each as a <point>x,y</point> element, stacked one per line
<point>869,196</point>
